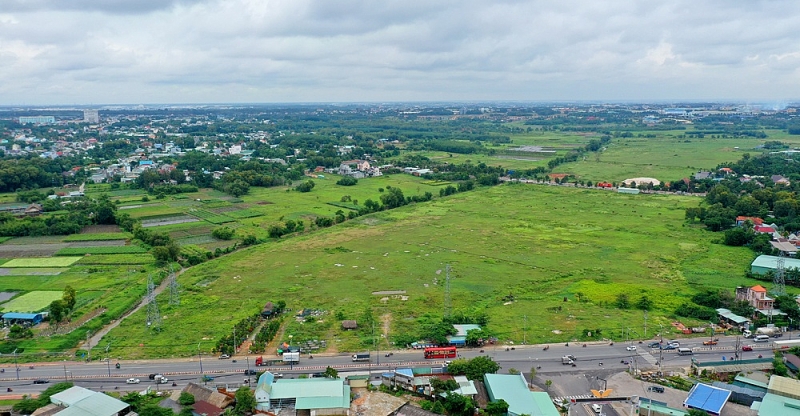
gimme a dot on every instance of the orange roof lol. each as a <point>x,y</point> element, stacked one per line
<point>758,288</point>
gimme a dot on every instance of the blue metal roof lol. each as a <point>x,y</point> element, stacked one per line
<point>708,398</point>
<point>17,315</point>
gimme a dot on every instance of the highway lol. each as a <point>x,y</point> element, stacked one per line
<point>103,375</point>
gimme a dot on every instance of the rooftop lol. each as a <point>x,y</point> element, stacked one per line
<point>784,386</point>
<point>708,398</point>
<point>513,389</point>
<point>770,262</point>
<point>772,404</point>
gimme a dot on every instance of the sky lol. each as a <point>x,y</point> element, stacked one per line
<point>93,52</point>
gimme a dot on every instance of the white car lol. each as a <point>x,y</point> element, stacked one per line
<point>631,348</point>
<point>133,381</point>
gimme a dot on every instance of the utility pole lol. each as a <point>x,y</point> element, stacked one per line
<point>737,350</point>
<point>645,324</point>
<point>108,360</point>
<point>200,358</point>
<point>88,347</point>
<point>661,350</point>
<point>15,362</point>
<point>234,341</point>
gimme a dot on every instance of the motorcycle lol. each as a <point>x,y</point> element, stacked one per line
<point>174,384</point>
<point>584,345</point>
<point>310,357</point>
<point>117,365</point>
<point>9,390</point>
<point>2,370</point>
<point>543,349</point>
<point>481,350</point>
<point>30,367</point>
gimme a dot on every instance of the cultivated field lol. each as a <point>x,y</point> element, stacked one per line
<point>515,251</point>
<point>32,301</point>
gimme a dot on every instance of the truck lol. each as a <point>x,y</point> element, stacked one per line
<point>291,357</point>
<point>364,356</point>
<point>568,359</point>
<point>260,362</point>
<point>770,331</point>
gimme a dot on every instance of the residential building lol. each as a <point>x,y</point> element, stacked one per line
<point>756,296</point>
<point>91,116</point>
<point>37,120</point>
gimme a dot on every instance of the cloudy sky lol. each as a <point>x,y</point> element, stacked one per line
<point>195,51</point>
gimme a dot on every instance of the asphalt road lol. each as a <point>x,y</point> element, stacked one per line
<point>596,356</point>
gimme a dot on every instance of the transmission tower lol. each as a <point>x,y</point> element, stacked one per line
<point>153,314</point>
<point>174,289</point>
<point>447,304</point>
<point>779,281</point>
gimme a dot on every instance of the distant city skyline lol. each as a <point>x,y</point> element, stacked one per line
<point>107,52</point>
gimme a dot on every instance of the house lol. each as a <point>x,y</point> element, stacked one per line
<point>207,395</point>
<point>267,310</point>
<point>33,210</point>
<point>703,175</point>
<point>756,296</point>
<point>349,324</point>
<point>782,398</point>
<point>460,338</point>
<point>740,220</point>
<point>78,401</point>
<point>203,408</point>
<point>727,171</point>
<point>521,401</point>
<point>764,229</point>
<point>780,180</point>
<point>311,396</point>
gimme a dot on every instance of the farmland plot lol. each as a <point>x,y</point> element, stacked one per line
<point>41,262</point>
<point>32,302</point>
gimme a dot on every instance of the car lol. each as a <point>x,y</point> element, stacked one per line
<point>133,381</point>
<point>41,381</point>
<point>277,375</point>
<point>224,357</point>
<point>250,372</point>
<point>206,378</point>
<point>747,348</point>
<point>654,344</point>
<point>657,389</point>
<point>153,376</point>
<point>675,344</point>
<point>711,342</point>
<point>631,348</point>
<point>669,347</point>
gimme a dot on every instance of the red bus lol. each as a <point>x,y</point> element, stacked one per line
<point>440,352</point>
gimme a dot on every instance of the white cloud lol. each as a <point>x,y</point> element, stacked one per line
<point>109,51</point>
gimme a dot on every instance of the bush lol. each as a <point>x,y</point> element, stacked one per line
<point>223,233</point>
<point>347,181</point>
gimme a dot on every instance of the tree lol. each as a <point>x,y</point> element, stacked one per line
<point>69,297</point>
<point>547,384</point>
<point>57,311</point>
<point>153,409</point>
<point>475,368</point>
<point>18,332</point>
<point>186,399</point>
<point>499,407</point>
<point>393,198</point>
<point>330,372</point>
<point>475,337</point>
<point>622,301</point>
<point>458,405</point>
<point>306,186</point>
<point>440,386</point>
<point>223,233</point>
<point>245,401</point>
<point>696,412</point>
<point>644,303</point>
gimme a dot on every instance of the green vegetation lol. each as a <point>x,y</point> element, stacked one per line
<point>79,251</point>
<point>32,301</point>
<point>97,237</point>
<point>211,217</point>
<point>506,263</point>
<point>41,262</point>
<point>120,259</point>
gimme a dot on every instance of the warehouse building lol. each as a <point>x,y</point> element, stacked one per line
<point>764,264</point>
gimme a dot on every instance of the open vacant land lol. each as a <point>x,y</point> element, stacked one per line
<point>557,256</point>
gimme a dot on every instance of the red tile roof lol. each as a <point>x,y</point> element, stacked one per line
<point>758,288</point>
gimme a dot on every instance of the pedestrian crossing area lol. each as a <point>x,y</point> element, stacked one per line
<point>568,399</point>
<point>648,357</point>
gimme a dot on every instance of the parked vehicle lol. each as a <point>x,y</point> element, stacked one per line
<point>291,357</point>
<point>132,381</point>
<point>657,389</point>
<point>224,357</point>
<point>361,357</point>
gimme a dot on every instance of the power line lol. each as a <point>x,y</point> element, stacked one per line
<point>447,303</point>
<point>153,314</point>
<point>174,289</point>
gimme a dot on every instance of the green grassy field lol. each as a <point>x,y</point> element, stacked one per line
<point>42,262</point>
<point>97,237</point>
<point>79,251</point>
<point>32,301</point>
<point>540,244</point>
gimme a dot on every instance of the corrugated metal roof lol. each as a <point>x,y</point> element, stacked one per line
<point>71,396</point>
<point>18,315</point>
<point>464,328</point>
<point>708,398</point>
<point>309,387</point>
<point>98,404</point>
<point>784,386</point>
<point>333,402</point>
<point>772,404</point>
<point>770,262</point>
<point>514,390</point>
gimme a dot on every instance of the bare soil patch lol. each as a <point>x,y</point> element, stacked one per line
<point>374,403</point>
<point>264,203</point>
<point>15,251</point>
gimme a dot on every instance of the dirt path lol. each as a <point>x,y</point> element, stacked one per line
<point>95,339</point>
